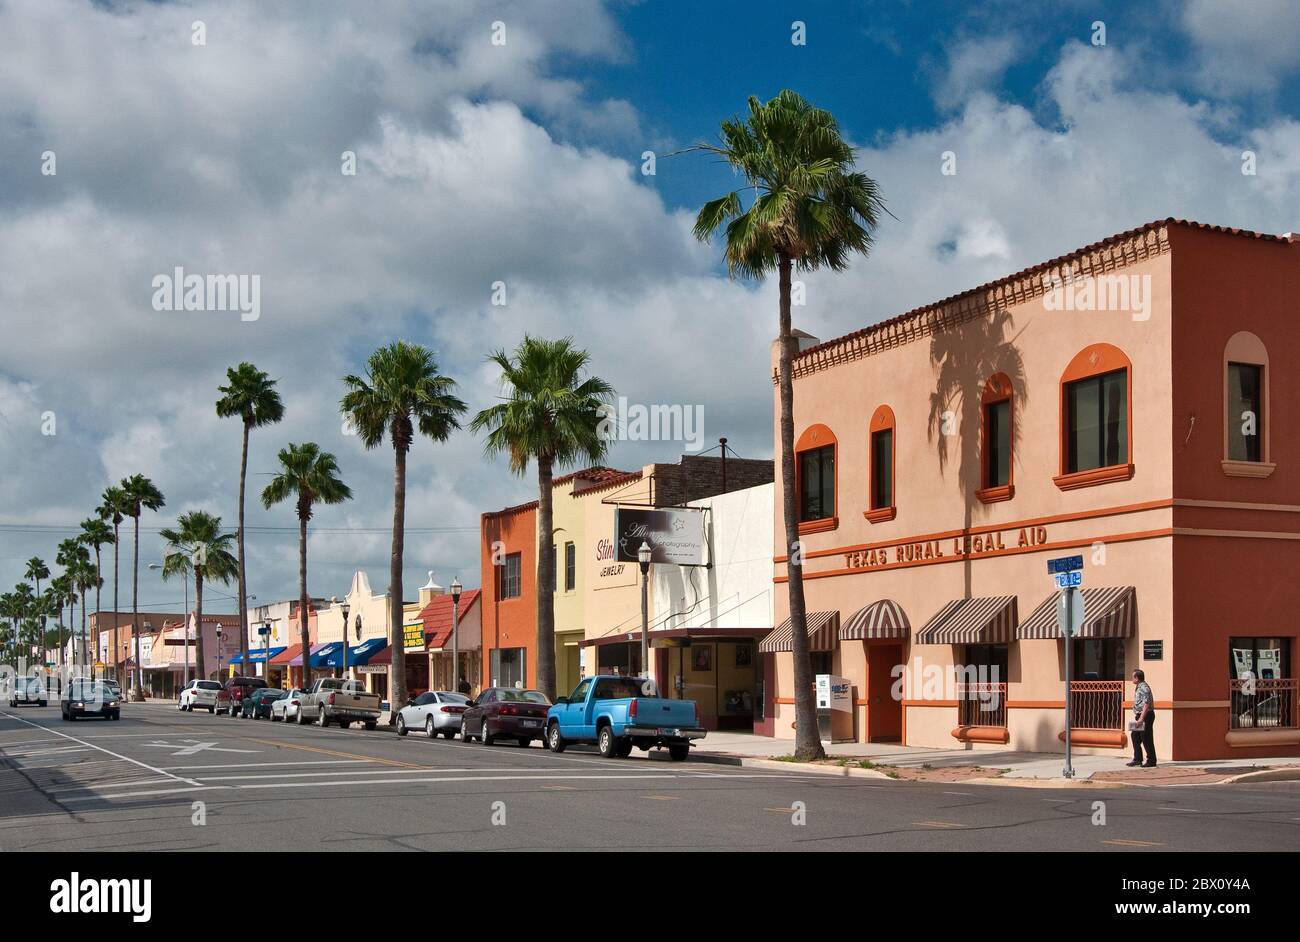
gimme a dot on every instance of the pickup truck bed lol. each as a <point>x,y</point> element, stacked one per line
<point>332,700</point>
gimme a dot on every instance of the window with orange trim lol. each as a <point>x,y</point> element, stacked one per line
<point>997,415</point>
<point>815,480</point>
<point>882,445</point>
<point>1096,418</point>
<point>1246,413</point>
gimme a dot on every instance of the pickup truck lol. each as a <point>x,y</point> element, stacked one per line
<point>230,698</point>
<point>618,713</point>
<point>338,700</point>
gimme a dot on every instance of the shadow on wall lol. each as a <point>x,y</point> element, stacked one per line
<point>964,358</point>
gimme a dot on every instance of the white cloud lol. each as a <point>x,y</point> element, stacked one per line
<point>1244,47</point>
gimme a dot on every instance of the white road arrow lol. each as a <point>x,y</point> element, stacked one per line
<point>194,747</point>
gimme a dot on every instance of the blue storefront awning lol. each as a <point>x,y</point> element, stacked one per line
<point>321,656</point>
<point>357,656</point>
<point>255,655</point>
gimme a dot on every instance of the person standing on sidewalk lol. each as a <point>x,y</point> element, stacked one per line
<point>1144,715</point>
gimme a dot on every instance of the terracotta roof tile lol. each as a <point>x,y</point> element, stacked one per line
<point>437,616</point>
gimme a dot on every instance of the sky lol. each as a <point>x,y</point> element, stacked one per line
<point>502,143</point>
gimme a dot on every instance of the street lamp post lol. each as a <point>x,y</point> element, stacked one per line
<point>455,634</point>
<point>221,651</point>
<point>344,608</point>
<point>643,557</point>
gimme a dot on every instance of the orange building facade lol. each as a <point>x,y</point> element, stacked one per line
<point>1135,402</point>
<point>508,555</point>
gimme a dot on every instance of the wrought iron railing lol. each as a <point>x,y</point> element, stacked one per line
<point>982,704</point>
<point>1264,704</point>
<point>1097,704</point>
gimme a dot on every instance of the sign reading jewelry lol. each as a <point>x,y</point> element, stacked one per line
<point>675,535</point>
<point>959,547</point>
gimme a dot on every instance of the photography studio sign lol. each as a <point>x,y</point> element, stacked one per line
<point>675,535</point>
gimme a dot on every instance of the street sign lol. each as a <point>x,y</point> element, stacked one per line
<point>264,630</point>
<point>1064,564</point>
<point>1069,612</point>
<point>1068,580</point>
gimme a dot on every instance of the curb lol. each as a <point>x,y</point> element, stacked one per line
<point>752,762</point>
<point>1288,774</point>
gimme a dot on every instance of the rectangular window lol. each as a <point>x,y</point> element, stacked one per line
<point>997,463</point>
<point>1097,413</point>
<point>1263,658</point>
<point>1098,659</point>
<point>570,567</point>
<point>823,662</point>
<point>817,483</point>
<point>882,469</point>
<point>508,667</point>
<point>508,582</point>
<point>1245,412</point>
<point>555,569</point>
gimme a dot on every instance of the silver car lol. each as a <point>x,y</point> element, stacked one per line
<point>286,708</point>
<point>28,690</point>
<point>435,711</point>
<point>200,694</point>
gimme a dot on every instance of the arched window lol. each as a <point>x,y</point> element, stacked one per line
<point>815,481</point>
<point>1246,413</point>
<point>1096,418</point>
<point>997,449</point>
<point>881,447</point>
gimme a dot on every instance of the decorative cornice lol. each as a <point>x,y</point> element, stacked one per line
<point>1116,252</point>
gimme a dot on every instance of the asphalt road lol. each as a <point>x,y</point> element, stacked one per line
<point>134,785</point>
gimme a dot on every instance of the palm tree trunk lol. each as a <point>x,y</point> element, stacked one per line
<point>807,741</point>
<point>303,631</point>
<point>397,695</point>
<point>198,619</point>
<point>135,612</point>
<point>117,650</point>
<point>243,585</point>
<point>545,578</point>
<point>99,581</point>
<point>84,660</point>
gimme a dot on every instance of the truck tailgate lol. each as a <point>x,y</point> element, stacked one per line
<point>654,711</point>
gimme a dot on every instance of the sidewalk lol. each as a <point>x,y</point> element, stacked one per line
<point>964,764</point>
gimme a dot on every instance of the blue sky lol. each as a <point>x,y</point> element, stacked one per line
<point>518,163</point>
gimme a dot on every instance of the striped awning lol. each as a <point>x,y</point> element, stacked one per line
<point>821,634</point>
<point>987,620</point>
<point>1108,612</point>
<point>883,619</point>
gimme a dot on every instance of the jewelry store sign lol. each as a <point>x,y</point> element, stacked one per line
<point>948,548</point>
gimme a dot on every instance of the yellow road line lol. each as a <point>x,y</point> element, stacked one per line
<point>335,752</point>
<point>660,797</point>
<point>1134,843</point>
<point>937,824</point>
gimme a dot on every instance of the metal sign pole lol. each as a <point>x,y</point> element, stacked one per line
<point>1068,771</point>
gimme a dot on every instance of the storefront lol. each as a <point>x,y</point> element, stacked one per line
<point>1028,431</point>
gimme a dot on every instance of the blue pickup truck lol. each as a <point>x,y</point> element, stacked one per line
<point>617,713</point>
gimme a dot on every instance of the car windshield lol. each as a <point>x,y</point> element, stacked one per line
<point>85,690</point>
<point>208,685</point>
<point>523,696</point>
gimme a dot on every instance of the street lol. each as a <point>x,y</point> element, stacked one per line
<point>164,780</point>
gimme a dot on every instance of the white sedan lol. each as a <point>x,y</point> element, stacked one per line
<point>435,711</point>
<point>286,708</point>
<point>198,693</point>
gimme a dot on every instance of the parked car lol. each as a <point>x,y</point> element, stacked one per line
<point>257,705</point>
<point>286,708</point>
<point>618,713</point>
<point>25,691</point>
<point>89,698</point>
<point>339,700</point>
<point>505,713</point>
<point>435,711</point>
<point>114,686</point>
<point>232,693</point>
<point>199,693</point>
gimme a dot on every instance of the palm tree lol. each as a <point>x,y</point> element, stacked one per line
<point>112,505</point>
<point>10,609</point>
<point>51,604</point>
<point>141,495</point>
<point>71,554</point>
<point>95,532</point>
<point>809,210</point>
<point>85,576</point>
<point>402,391</point>
<point>251,395</point>
<point>62,594</point>
<point>36,571</point>
<point>197,545</point>
<point>311,476</point>
<point>552,415</point>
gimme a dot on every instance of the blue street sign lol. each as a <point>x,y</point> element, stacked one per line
<point>264,630</point>
<point>1064,564</point>
<point>1068,580</point>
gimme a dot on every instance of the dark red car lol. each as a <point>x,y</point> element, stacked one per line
<point>230,698</point>
<point>505,713</point>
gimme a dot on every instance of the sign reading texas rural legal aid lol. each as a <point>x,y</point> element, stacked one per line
<point>914,552</point>
<point>675,535</point>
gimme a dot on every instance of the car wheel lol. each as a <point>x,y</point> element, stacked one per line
<point>525,741</point>
<point>401,725</point>
<point>464,731</point>
<point>370,725</point>
<point>553,738</point>
<point>40,703</point>
<point>212,710</point>
<point>448,734</point>
<point>428,728</point>
<point>117,716</point>
<point>679,751</point>
<point>624,748</point>
<point>485,734</point>
<point>606,742</point>
<point>302,720</point>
